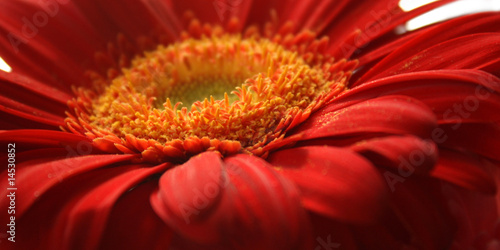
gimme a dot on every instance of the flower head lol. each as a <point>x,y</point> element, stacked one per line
<point>229,94</point>
<point>233,124</point>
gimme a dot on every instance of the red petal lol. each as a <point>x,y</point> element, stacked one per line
<point>205,10</point>
<point>406,154</point>
<point>260,11</point>
<point>25,134</point>
<point>476,216</point>
<point>480,138</point>
<point>334,182</point>
<point>467,52</point>
<point>37,155</point>
<point>457,96</point>
<point>315,16</point>
<point>37,115</point>
<point>331,234</point>
<point>240,203</point>
<point>35,228</point>
<point>180,201</point>
<point>35,87</point>
<point>417,202</point>
<point>73,34</point>
<point>390,234</point>
<point>389,114</point>
<point>133,18</point>
<point>267,197</point>
<point>11,122</point>
<point>38,138</point>
<point>41,58</point>
<point>369,19</point>
<point>32,100</point>
<point>36,179</point>
<point>58,121</point>
<point>369,57</point>
<point>471,24</point>
<point>465,170</point>
<point>82,222</point>
<point>133,224</point>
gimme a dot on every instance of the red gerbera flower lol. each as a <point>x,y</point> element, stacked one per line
<point>232,124</point>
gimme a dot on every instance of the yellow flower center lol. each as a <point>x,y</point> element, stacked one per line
<point>223,93</point>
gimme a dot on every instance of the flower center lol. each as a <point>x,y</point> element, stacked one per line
<point>222,93</point>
